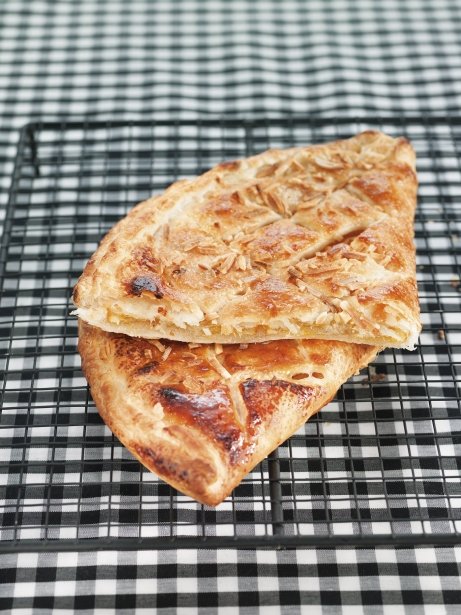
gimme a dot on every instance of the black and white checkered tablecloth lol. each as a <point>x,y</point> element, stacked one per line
<point>115,59</point>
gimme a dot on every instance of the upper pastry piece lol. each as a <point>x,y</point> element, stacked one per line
<point>310,242</point>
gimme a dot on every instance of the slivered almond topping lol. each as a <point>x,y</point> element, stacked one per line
<point>213,361</point>
<point>357,255</point>
<point>238,197</point>
<point>325,163</point>
<point>191,245</point>
<point>159,345</point>
<point>167,353</point>
<point>218,348</point>
<point>241,262</point>
<point>243,346</point>
<point>228,262</point>
<point>300,284</point>
<point>204,266</point>
<point>279,204</point>
<point>322,318</point>
<point>158,409</point>
<point>251,278</point>
<point>246,240</point>
<point>344,317</point>
<point>294,272</point>
<point>207,331</point>
<point>192,346</point>
<point>343,305</point>
<point>296,165</point>
<point>317,293</point>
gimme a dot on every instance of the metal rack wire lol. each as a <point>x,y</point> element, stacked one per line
<point>381,464</point>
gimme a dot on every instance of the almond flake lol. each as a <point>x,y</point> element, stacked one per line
<point>325,163</point>
<point>300,284</point>
<point>322,318</point>
<point>158,345</point>
<point>158,408</point>
<point>166,354</point>
<point>228,262</point>
<point>241,262</point>
<point>295,273</point>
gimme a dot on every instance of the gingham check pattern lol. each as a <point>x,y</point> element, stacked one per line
<point>176,60</point>
<point>419,581</point>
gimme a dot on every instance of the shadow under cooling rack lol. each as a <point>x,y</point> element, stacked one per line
<point>380,464</point>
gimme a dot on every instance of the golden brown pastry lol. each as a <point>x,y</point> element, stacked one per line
<point>202,416</point>
<point>312,242</point>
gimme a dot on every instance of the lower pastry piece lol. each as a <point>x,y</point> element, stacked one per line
<point>202,416</point>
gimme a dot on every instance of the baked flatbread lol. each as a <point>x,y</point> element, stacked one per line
<point>202,417</point>
<point>312,242</point>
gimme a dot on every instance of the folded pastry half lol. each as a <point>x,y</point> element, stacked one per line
<point>202,416</point>
<point>309,242</point>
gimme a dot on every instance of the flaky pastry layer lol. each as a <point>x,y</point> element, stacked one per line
<point>202,416</point>
<point>310,242</point>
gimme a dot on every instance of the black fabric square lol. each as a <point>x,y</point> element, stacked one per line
<point>7,575</point>
<point>45,575</point>
<point>83,601</point>
<point>43,602</point>
<point>247,569</point>
<point>126,572</point>
<point>247,599</point>
<point>125,601</point>
<point>413,596</point>
<point>166,600</point>
<point>167,571</point>
<point>289,597</point>
<point>207,571</point>
<point>330,598</point>
<point>367,569</point>
<point>451,597</point>
<point>327,570</point>
<point>372,597</point>
<point>448,569</point>
<point>207,599</point>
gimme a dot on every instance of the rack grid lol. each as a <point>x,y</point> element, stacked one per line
<point>380,464</point>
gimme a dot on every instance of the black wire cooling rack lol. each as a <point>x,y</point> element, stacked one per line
<point>380,464</point>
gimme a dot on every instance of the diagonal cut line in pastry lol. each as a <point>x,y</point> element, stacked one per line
<point>202,416</point>
<point>313,242</point>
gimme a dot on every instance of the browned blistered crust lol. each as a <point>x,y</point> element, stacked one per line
<point>202,416</point>
<point>313,242</point>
